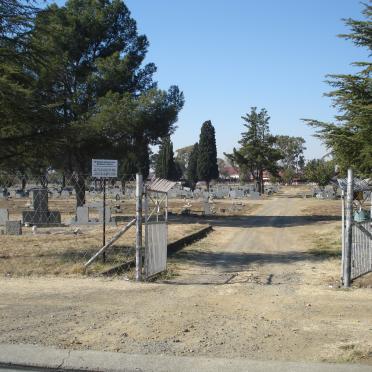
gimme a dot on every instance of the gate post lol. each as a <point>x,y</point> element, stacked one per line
<point>139,189</point>
<point>342,235</point>
<point>348,227</point>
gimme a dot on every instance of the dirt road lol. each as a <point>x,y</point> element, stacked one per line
<point>250,289</point>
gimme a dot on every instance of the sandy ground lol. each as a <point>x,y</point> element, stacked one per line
<point>250,289</point>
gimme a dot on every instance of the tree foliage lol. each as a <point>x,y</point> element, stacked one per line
<point>89,96</point>
<point>182,158</point>
<point>350,136</point>
<point>104,99</point>
<point>165,166</point>
<point>192,166</point>
<point>257,150</point>
<point>320,171</point>
<point>24,117</point>
<point>291,148</point>
<point>207,167</point>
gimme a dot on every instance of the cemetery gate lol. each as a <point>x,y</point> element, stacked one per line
<point>156,226</point>
<point>356,228</point>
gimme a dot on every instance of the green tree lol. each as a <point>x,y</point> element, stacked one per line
<point>15,19</point>
<point>182,158</point>
<point>207,167</point>
<point>166,166</point>
<point>257,150</point>
<point>221,163</point>
<point>26,123</point>
<point>292,148</point>
<point>288,174</point>
<point>349,137</point>
<point>192,166</point>
<point>104,99</point>
<point>320,171</point>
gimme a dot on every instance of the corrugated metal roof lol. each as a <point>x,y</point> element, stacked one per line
<point>359,185</point>
<point>160,185</point>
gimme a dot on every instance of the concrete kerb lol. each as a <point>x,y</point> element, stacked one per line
<point>189,239</point>
<point>48,357</point>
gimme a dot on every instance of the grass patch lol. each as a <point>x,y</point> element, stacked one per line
<point>57,251</point>
<point>327,246</point>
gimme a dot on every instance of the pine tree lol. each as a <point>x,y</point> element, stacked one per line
<point>192,168</point>
<point>257,150</point>
<point>165,166</point>
<point>350,136</point>
<point>102,96</point>
<point>207,168</point>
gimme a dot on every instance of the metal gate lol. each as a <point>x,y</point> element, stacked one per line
<point>156,226</point>
<point>156,236</point>
<point>356,227</point>
<point>361,252</point>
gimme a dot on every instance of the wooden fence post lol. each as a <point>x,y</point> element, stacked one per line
<point>348,227</point>
<point>139,189</point>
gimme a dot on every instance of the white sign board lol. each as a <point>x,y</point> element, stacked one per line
<point>104,168</point>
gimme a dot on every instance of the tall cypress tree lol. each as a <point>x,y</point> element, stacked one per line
<point>165,166</point>
<point>192,168</point>
<point>207,167</point>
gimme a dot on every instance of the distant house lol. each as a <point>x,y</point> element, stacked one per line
<point>229,172</point>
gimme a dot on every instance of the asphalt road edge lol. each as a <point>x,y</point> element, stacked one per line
<point>88,360</point>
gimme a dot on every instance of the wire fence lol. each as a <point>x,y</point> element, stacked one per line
<point>52,224</point>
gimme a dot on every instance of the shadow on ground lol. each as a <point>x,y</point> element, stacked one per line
<point>233,261</point>
<point>256,221</point>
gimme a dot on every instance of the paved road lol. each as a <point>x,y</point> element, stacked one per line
<point>64,360</point>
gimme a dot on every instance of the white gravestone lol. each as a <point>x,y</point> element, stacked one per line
<point>4,216</point>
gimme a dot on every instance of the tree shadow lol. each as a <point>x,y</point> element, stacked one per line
<point>256,221</point>
<point>230,262</point>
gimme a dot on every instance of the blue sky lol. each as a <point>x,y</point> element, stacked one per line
<point>229,55</point>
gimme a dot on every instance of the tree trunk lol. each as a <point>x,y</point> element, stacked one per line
<point>63,181</point>
<point>79,186</point>
<point>260,178</point>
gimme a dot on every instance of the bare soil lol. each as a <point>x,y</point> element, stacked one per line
<point>260,286</point>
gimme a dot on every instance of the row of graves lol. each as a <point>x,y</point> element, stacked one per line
<point>221,191</point>
<point>328,192</point>
<point>35,211</point>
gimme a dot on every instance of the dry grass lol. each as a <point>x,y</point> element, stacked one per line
<point>327,244</point>
<point>323,208</point>
<point>58,251</point>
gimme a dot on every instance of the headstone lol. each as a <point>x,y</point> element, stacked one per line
<point>107,214</point>
<point>254,195</point>
<point>40,215</point>
<point>207,209</point>
<point>82,215</point>
<point>13,228</point>
<point>235,194</point>
<point>4,216</point>
<point>65,194</point>
<point>40,200</point>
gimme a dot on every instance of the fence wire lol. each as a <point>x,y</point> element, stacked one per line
<point>52,224</point>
